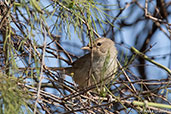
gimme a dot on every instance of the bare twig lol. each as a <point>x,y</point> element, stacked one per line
<point>150,60</point>
<point>41,72</point>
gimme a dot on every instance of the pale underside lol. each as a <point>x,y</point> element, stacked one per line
<point>87,72</point>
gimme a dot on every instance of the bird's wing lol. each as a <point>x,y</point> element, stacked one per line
<point>82,61</point>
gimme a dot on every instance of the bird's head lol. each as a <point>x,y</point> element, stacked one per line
<point>101,46</point>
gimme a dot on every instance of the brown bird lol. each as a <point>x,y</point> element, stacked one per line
<point>98,66</point>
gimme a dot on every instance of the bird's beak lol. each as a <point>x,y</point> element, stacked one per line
<point>86,48</point>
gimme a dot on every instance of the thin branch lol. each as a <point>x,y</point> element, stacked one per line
<point>127,77</point>
<point>41,71</point>
<point>150,60</point>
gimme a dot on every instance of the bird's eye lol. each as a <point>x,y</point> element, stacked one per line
<point>99,44</point>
